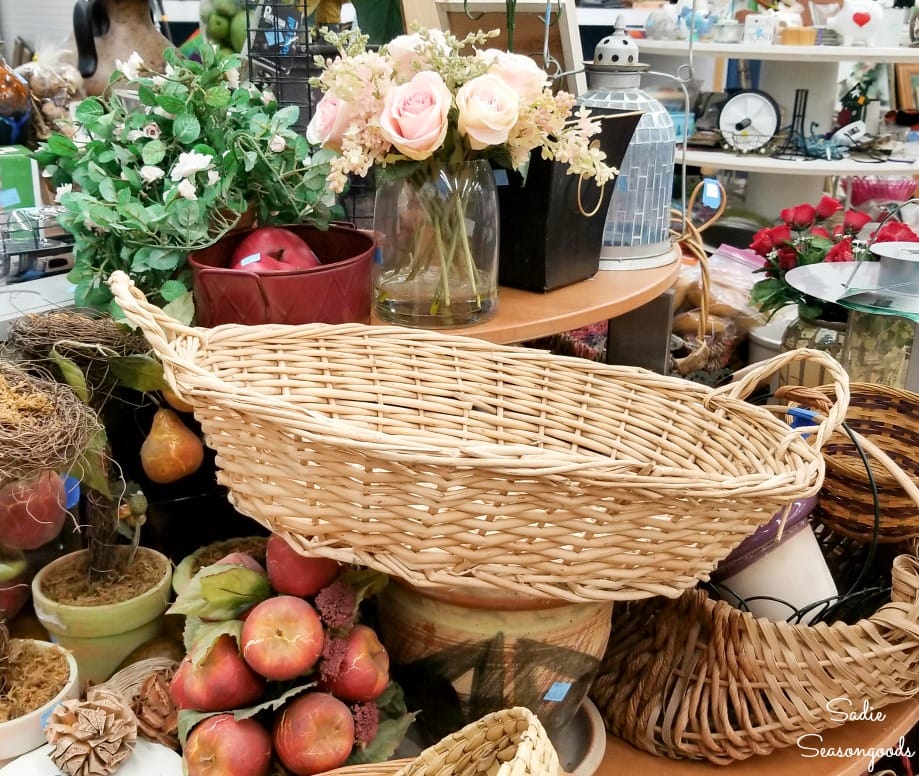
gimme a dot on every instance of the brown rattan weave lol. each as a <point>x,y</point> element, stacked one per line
<point>447,460</point>
<point>698,678</point>
<point>888,417</point>
<point>512,739</point>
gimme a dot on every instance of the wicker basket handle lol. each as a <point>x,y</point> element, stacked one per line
<point>160,329</point>
<point>747,379</point>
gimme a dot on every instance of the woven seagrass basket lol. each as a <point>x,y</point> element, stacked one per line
<point>700,679</point>
<point>888,417</point>
<point>447,460</point>
<point>513,740</point>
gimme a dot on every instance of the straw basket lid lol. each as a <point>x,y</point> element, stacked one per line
<point>447,460</point>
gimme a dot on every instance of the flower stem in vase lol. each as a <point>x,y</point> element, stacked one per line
<point>438,260</point>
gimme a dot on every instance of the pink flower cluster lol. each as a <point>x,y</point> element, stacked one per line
<point>418,98</point>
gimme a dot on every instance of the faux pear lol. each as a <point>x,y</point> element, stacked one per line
<point>171,450</point>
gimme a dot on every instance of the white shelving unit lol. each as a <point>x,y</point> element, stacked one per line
<point>784,70</point>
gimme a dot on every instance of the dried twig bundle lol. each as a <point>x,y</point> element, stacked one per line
<point>43,424</point>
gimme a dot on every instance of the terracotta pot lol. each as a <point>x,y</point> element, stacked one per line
<point>101,637</point>
<point>25,733</point>
<point>461,655</point>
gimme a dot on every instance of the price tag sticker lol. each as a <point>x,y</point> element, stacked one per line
<point>711,193</point>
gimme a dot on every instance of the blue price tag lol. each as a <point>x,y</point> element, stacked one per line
<point>711,193</point>
<point>557,691</point>
<point>500,177</point>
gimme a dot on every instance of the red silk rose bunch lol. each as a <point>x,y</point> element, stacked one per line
<point>812,234</point>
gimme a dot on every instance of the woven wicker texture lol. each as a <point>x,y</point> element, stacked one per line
<point>888,417</point>
<point>446,460</point>
<point>701,679</point>
<point>510,742</point>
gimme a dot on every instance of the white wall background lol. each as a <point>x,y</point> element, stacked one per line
<point>38,22</point>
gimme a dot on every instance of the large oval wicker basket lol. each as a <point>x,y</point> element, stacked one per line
<point>698,678</point>
<point>446,460</point>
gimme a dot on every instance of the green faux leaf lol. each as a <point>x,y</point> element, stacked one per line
<point>200,641</point>
<point>182,308</point>
<point>172,289</point>
<point>272,704</point>
<point>186,128</point>
<point>222,592</point>
<point>170,104</point>
<point>72,374</point>
<point>61,145</point>
<point>147,96</point>
<point>217,96</point>
<point>141,373</point>
<point>90,469</point>
<point>249,160</point>
<point>154,152</point>
<point>89,110</point>
<point>165,259</point>
<point>107,190</point>
<point>390,734</point>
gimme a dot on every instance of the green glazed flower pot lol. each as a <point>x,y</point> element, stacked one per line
<point>101,637</point>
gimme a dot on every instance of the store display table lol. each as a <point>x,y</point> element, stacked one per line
<point>525,315</point>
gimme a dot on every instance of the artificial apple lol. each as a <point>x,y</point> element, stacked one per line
<point>15,577</point>
<point>224,746</point>
<point>221,681</point>
<point>365,668</point>
<point>295,574</point>
<point>273,249</point>
<point>32,511</point>
<point>313,733</point>
<point>282,637</point>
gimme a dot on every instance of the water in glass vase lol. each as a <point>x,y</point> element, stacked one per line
<point>437,233</point>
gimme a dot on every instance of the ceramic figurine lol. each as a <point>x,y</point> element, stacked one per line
<point>858,22</point>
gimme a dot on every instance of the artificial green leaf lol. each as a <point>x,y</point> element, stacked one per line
<point>390,733</point>
<point>172,289</point>
<point>153,152</point>
<point>61,145</point>
<point>72,374</point>
<point>186,128</point>
<point>164,258</point>
<point>170,104</point>
<point>222,592</point>
<point>272,704</point>
<point>107,190</point>
<point>89,110</point>
<point>217,96</point>
<point>146,95</point>
<point>138,372</point>
<point>90,469</point>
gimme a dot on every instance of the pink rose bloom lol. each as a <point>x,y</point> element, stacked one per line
<point>403,50</point>
<point>895,231</point>
<point>329,122</point>
<point>414,116</point>
<point>519,72</point>
<point>488,111</point>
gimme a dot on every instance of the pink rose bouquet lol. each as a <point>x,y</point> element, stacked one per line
<point>418,104</point>
<point>812,234</point>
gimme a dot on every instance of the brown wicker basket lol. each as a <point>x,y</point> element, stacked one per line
<point>888,417</point>
<point>512,739</point>
<point>698,678</point>
<point>447,460</point>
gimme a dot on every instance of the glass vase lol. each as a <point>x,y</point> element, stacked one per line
<point>816,334</point>
<point>437,232</point>
<point>878,348</point>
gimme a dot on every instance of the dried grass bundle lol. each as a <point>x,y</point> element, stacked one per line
<point>43,424</point>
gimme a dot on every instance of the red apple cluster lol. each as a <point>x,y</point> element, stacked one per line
<point>32,513</point>
<point>303,635</point>
<point>273,249</point>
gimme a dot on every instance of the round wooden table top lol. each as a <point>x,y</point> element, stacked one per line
<point>842,751</point>
<point>526,315</point>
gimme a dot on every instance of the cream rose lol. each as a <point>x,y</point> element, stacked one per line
<point>519,72</point>
<point>329,122</point>
<point>488,110</point>
<point>414,115</point>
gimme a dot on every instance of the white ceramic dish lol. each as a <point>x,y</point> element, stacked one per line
<point>25,733</point>
<point>148,759</point>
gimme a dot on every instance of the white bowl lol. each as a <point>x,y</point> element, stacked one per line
<point>25,733</point>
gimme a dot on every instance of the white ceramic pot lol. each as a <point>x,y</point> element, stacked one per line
<point>25,733</point>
